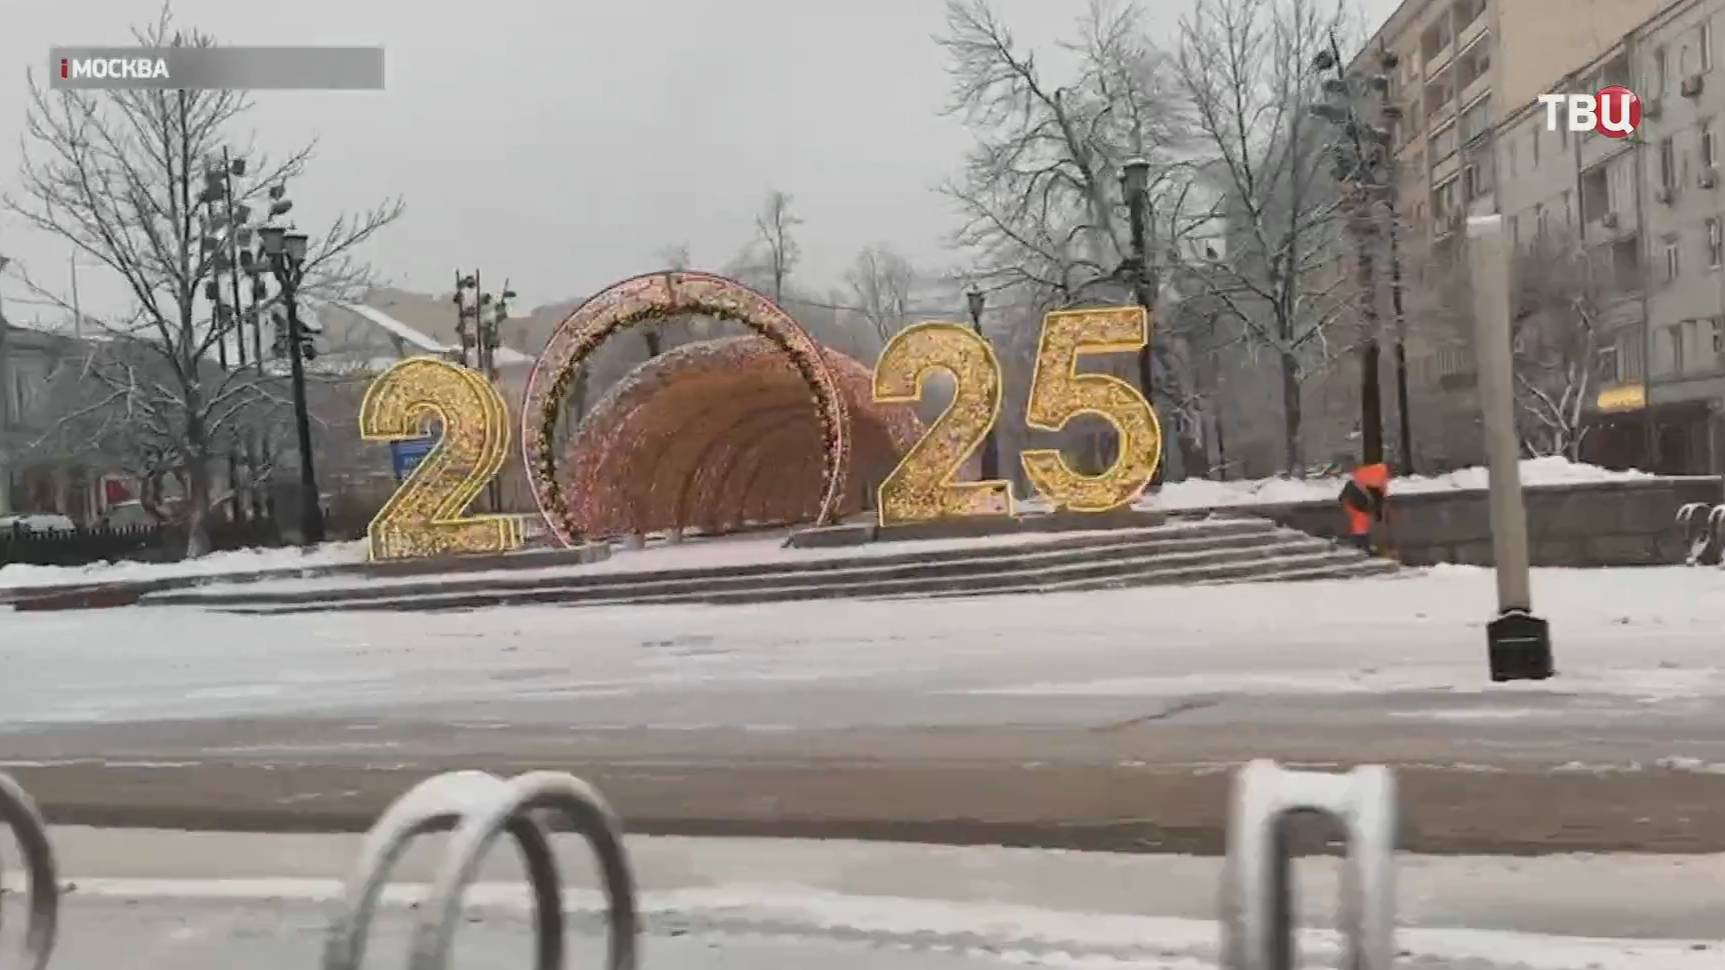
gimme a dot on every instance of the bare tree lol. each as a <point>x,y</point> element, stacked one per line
<point>1039,192</point>
<point>880,282</point>
<point>1560,301</point>
<point>1045,220</point>
<point>775,234</point>
<point>1246,68</point>
<point>118,174</point>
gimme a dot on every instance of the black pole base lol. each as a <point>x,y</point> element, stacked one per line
<point>1519,645</point>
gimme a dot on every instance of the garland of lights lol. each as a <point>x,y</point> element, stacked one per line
<point>658,296</point>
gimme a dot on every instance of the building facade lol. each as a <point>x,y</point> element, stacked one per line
<point>1647,212</point>
<point>1471,140</point>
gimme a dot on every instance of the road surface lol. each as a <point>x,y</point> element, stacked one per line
<point>1094,720</point>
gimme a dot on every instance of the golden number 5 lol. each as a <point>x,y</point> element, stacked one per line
<point>1058,393</point>
<point>424,516</point>
<point>921,488</point>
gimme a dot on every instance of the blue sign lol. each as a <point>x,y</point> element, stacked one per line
<point>406,455</point>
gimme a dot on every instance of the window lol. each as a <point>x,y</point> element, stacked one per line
<point>1630,356</point>
<point>1535,140</point>
<point>1718,340</point>
<point>26,391</point>
<point>1444,143</point>
<point>1715,244</point>
<point>1476,121</point>
<point>1476,181</point>
<point>1539,222</point>
<point>1664,357</point>
<point>1672,266</point>
<point>1708,148</point>
<point>1656,83</point>
<point>1509,153</point>
<point>1610,369</point>
<point>1667,164</point>
<point>1704,40</point>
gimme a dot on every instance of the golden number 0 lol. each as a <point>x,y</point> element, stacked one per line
<point>921,488</point>
<point>424,516</point>
<point>1058,393</point>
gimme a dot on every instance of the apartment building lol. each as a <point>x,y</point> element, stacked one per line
<point>1647,211</point>
<point>1462,68</point>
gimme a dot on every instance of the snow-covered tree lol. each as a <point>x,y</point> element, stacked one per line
<point>118,174</point>
<point>1246,69</point>
<point>1560,298</point>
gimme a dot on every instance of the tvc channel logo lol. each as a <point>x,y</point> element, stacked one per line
<point>1614,112</point>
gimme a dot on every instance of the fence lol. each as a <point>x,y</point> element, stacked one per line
<point>147,543</point>
<point>1258,931</point>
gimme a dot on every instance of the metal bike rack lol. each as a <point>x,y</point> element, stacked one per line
<point>1258,894</point>
<point>1257,900</point>
<point>19,813</point>
<point>480,807</point>
<point>1703,528</point>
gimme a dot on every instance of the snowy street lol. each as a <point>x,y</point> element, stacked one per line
<point>987,719</point>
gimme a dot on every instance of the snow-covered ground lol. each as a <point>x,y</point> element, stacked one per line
<point>24,575</point>
<point>1201,493</point>
<point>1653,634</point>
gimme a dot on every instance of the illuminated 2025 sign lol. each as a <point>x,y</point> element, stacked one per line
<point>924,487</point>
<point>427,514</point>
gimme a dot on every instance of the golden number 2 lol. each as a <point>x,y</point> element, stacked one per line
<point>1058,393</point>
<point>921,488</point>
<point>425,515</point>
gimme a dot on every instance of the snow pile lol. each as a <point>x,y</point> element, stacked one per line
<point>24,575</point>
<point>1200,494</point>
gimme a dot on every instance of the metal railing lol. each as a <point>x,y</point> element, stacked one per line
<point>1257,895</point>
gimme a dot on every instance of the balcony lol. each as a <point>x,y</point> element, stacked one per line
<point>1477,88</point>
<point>1470,31</point>
<point>1446,168</point>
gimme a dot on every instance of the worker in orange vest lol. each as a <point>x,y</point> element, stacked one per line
<point>1365,500</point>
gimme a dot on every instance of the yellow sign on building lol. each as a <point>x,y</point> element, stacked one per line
<point>1624,397</point>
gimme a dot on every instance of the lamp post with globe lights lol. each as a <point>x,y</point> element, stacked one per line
<point>285,252</point>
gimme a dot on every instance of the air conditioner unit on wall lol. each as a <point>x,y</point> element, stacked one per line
<point>1691,87</point>
<point>1707,179</point>
<point>1665,195</point>
<point>1609,220</point>
<point>1651,108</point>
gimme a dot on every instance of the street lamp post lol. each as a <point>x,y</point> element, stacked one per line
<point>286,254</point>
<point>1362,165</point>
<point>978,301</point>
<point>478,323</point>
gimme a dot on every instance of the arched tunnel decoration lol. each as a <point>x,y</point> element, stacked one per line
<point>645,299</point>
<point>714,435</point>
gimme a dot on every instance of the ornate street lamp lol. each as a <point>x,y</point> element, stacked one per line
<point>286,253</point>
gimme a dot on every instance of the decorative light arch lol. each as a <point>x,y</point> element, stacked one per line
<point>652,297</point>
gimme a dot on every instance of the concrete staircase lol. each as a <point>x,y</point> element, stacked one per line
<point>1212,550</point>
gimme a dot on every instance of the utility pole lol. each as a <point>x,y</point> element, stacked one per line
<point>1517,641</point>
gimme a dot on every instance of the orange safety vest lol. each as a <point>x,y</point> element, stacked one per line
<point>1366,497</point>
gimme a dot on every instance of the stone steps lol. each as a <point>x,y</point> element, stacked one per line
<point>1205,551</point>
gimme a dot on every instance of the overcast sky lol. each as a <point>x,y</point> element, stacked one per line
<point>563,143</point>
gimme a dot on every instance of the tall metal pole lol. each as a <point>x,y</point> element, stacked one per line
<point>1361,226</point>
<point>1402,410</point>
<point>311,505</point>
<point>1518,642</point>
<point>990,446</point>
